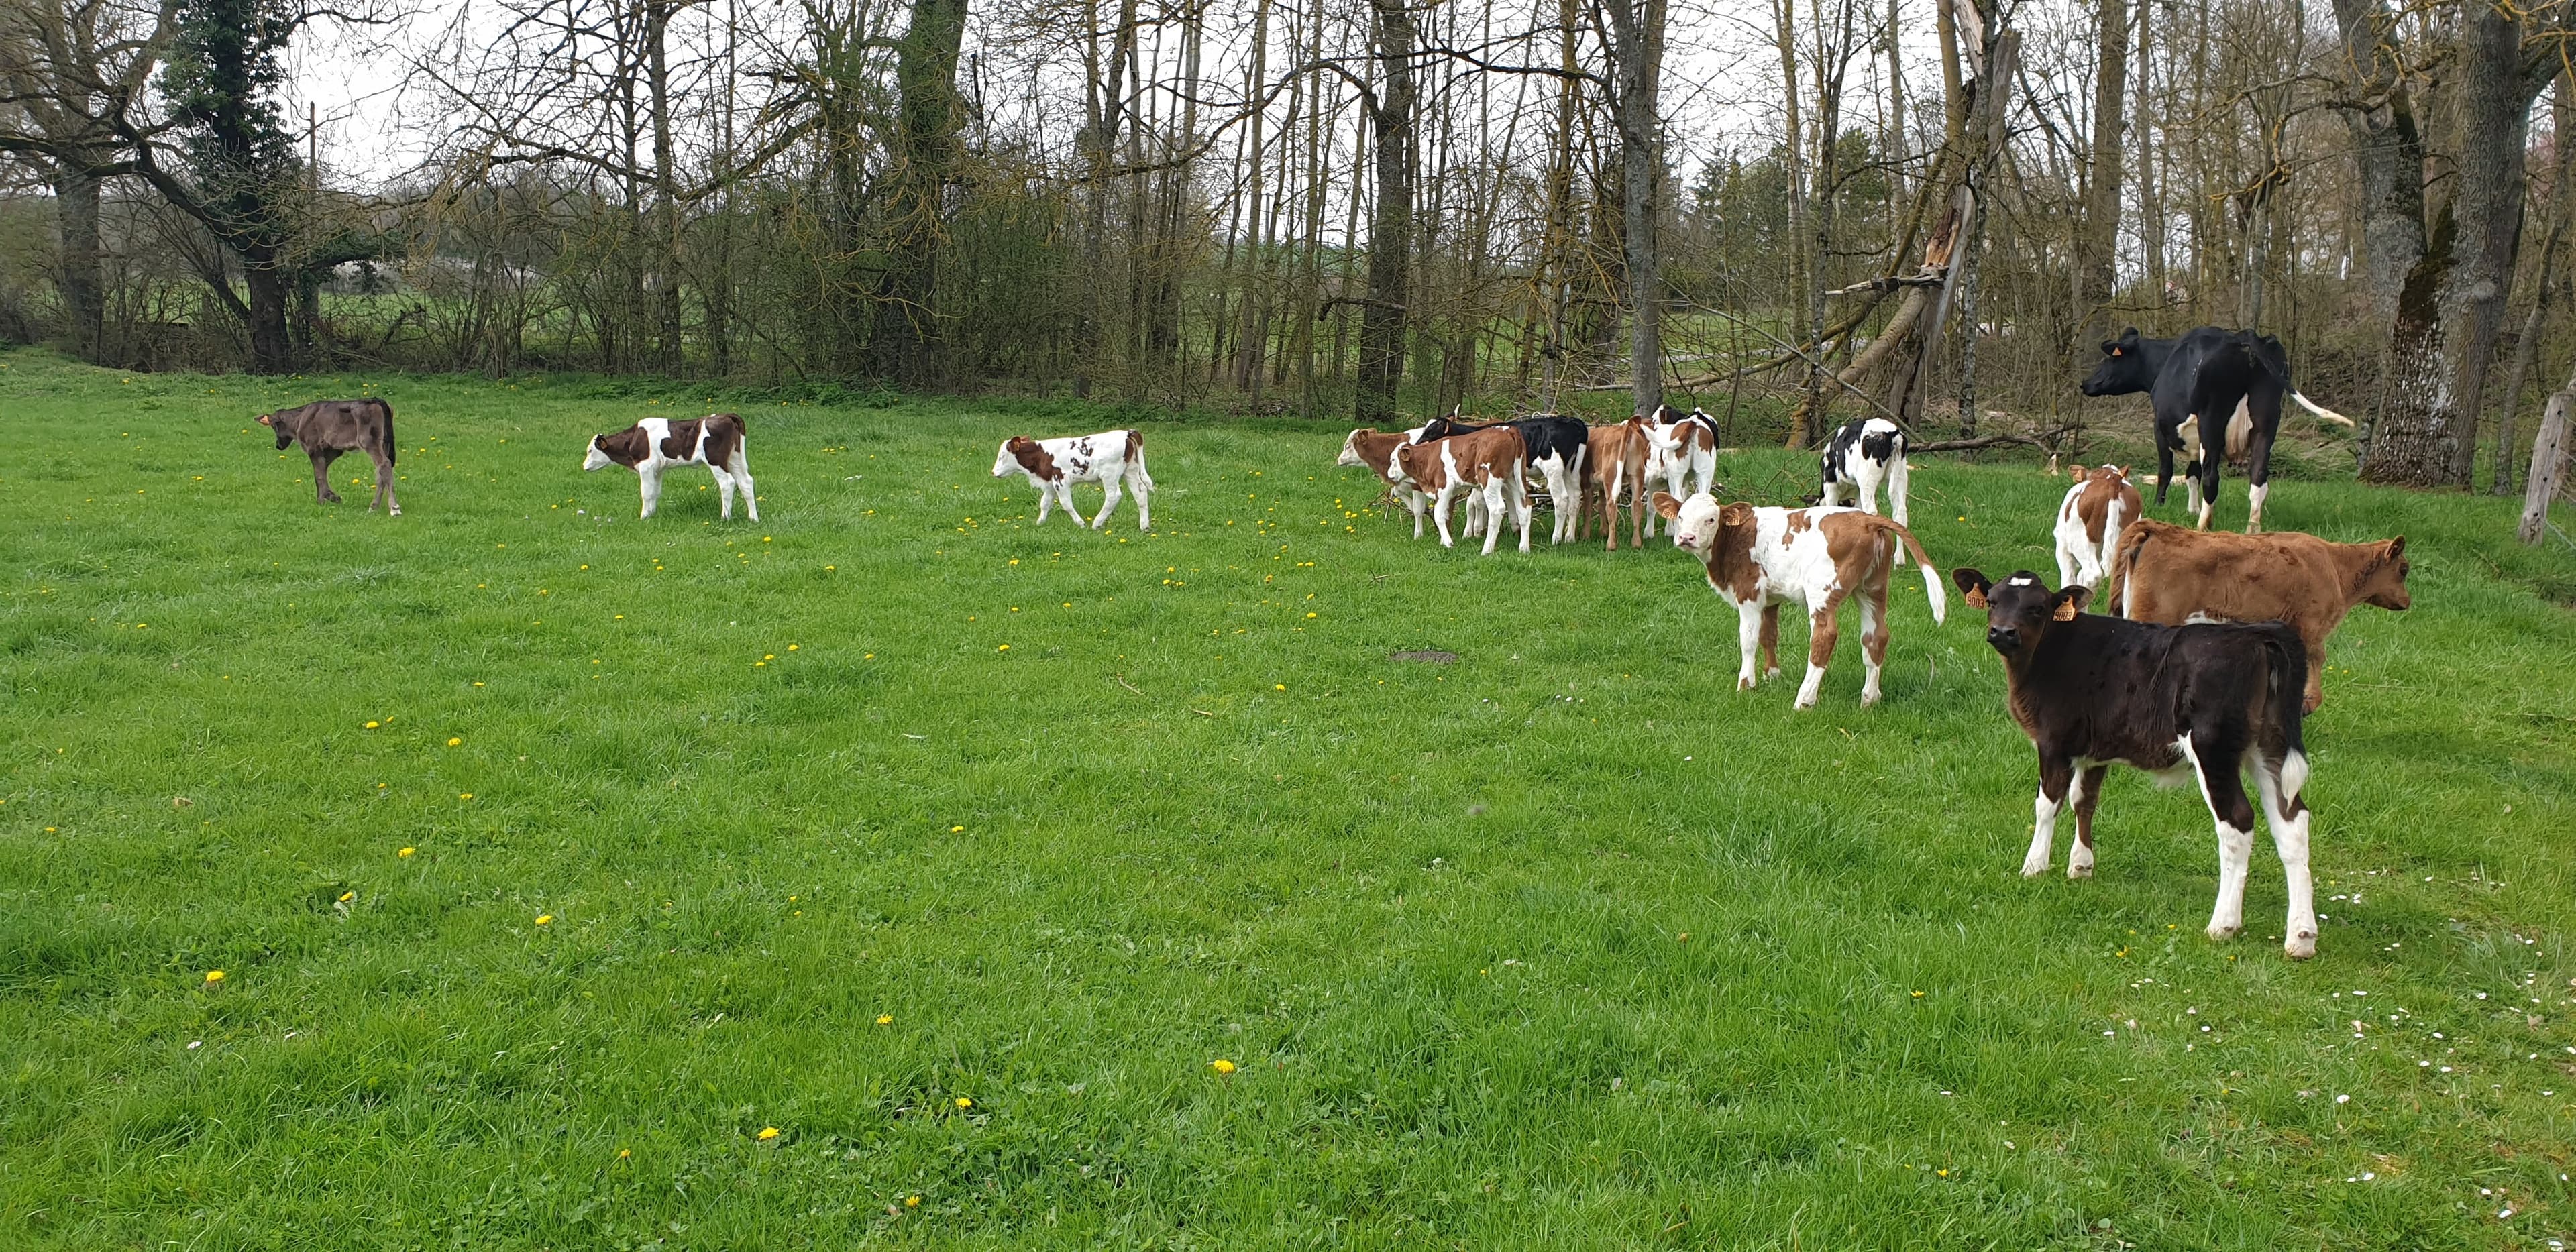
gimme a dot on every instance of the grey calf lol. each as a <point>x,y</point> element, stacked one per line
<point>328,428</point>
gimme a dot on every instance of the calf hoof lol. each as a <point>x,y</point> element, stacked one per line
<point>1805,702</point>
<point>2034,867</point>
<point>2217,931</point>
<point>2300,947</point>
<point>393,512</point>
<point>330,497</point>
<point>1868,698</point>
<point>1744,684</point>
<point>2075,872</point>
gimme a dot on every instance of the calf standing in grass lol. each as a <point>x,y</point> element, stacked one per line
<point>1375,450</point>
<point>1486,465</point>
<point>656,444</point>
<point>1759,557</point>
<point>1862,455</point>
<point>1053,466</point>
<point>1679,446</point>
<point>328,428</point>
<point>2208,699</point>
<point>2165,573</point>
<point>1616,461</point>
<point>2089,522</point>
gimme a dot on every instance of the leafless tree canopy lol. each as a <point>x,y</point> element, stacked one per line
<point>1792,212</point>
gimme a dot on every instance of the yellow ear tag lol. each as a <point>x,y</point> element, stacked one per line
<point>2065,611</point>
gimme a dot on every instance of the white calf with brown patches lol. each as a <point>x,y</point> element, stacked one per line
<point>1761,558</point>
<point>1053,466</point>
<point>1375,450</point>
<point>1487,463</point>
<point>1679,446</point>
<point>656,445</point>
<point>2089,521</point>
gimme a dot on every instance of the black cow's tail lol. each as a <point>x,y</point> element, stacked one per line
<point>2265,351</point>
<point>392,445</point>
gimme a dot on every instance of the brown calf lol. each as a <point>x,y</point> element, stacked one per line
<point>1617,460</point>
<point>2165,573</point>
<point>328,428</point>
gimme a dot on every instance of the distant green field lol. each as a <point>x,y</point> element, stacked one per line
<point>553,858</point>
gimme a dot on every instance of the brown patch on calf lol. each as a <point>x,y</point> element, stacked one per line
<point>1033,457</point>
<point>724,437</point>
<point>2165,573</point>
<point>681,444</point>
<point>2093,503</point>
<point>629,447</point>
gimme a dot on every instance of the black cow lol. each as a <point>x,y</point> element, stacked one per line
<point>2192,379</point>
<point>1557,448</point>
<point>328,428</point>
<point>2205,699</point>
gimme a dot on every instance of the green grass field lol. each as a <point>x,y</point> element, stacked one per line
<point>552,859</point>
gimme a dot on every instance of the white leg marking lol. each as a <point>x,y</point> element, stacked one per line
<point>2079,855</point>
<point>1869,615</point>
<point>2043,833</point>
<point>2235,855</point>
<point>1896,476</point>
<point>724,491</point>
<point>2290,838</point>
<point>1868,475</point>
<point>2254,520</point>
<point>1814,685</point>
<point>649,481</point>
<point>1748,635</point>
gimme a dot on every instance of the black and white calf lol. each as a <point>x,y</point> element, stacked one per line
<point>2192,380</point>
<point>1679,446</point>
<point>658,444</point>
<point>1862,455</point>
<point>1053,466</point>
<point>2208,700</point>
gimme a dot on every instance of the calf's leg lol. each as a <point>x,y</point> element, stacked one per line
<point>2284,812</point>
<point>1896,474</point>
<point>1749,625</point>
<point>1873,640</point>
<point>1142,488</point>
<point>2054,775</point>
<point>2088,792</point>
<point>742,482</point>
<point>385,487</point>
<point>2217,763</point>
<point>322,493</point>
<point>1865,479</point>
<point>1821,634</point>
<point>648,482</point>
<point>1109,494</point>
<point>2315,696</point>
<point>1771,641</point>
<point>724,491</point>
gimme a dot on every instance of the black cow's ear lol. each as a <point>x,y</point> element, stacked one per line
<point>1972,585</point>
<point>2128,334</point>
<point>2070,602</point>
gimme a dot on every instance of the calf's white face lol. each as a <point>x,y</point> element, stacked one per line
<point>1696,524</point>
<point>1350,456</point>
<point>1004,464</point>
<point>598,458</point>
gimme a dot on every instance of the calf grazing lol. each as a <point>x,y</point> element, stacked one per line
<point>2089,522</point>
<point>328,428</point>
<point>1617,461</point>
<point>655,445</point>
<point>1758,558</point>
<point>1053,466</point>
<point>1679,446</point>
<point>2090,690</point>
<point>1555,448</point>
<point>1860,456</point>
<point>1487,463</point>
<point>2191,380</point>
<point>1375,450</point>
<point>2164,573</point>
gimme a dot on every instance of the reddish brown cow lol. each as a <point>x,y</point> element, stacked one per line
<point>2165,573</point>
<point>1617,461</point>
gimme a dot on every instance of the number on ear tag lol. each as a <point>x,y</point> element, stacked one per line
<point>1976,599</point>
<point>2065,611</point>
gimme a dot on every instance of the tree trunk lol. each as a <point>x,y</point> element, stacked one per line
<point>1637,33</point>
<point>666,186</point>
<point>1106,99</point>
<point>929,113</point>
<point>1383,319</point>
<point>2100,236</point>
<point>2548,464</point>
<point>84,293</point>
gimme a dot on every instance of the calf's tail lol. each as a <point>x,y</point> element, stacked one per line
<point>2115,585</point>
<point>392,445</point>
<point>2285,698</point>
<point>1136,458</point>
<point>1932,590</point>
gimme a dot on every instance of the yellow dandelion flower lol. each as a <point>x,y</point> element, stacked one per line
<point>373,725</point>
<point>214,976</point>
<point>964,1103</point>
<point>764,538</point>
<point>769,656</point>
<point>954,829</point>
<point>465,795</point>
<point>1918,995</point>
<point>791,647</point>
<point>406,852</point>
<point>869,657</point>
<point>768,1133</point>
<point>1310,615</point>
<point>912,1201</point>
<point>455,742</point>
<point>623,1153</point>
<point>1004,648</point>
<point>1221,1065</point>
<point>347,896</point>
<point>885,1019</point>
<point>1278,686</point>
<point>545,919</point>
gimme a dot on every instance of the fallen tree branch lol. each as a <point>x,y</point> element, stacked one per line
<point>2045,443</point>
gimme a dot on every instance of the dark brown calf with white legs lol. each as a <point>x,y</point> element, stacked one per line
<point>328,428</point>
<point>2209,700</point>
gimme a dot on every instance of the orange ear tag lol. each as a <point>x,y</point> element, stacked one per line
<point>1976,599</point>
<point>2065,611</point>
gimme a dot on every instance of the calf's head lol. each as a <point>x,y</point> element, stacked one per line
<point>285,433</point>
<point>1018,453</point>
<point>597,457</point>
<point>1350,456</point>
<point>1699,522</point>
<point>2383,581</point>
<point>2123,370</point>
<point>2019,610</point>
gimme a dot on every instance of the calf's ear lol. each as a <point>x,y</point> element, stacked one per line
<point>263,420</point>
<point>2069,602</point>
<point>1666,506</point>
<point>1972,585</point>
<point>2397,547</point>
<point>1737,514</point>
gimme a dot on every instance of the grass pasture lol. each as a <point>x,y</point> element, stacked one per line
<point>956,850</point>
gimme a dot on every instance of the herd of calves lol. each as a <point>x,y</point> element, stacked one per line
<point>2213,651</point>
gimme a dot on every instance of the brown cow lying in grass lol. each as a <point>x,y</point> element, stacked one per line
<point>2165,573</point>
<point>328,428</point>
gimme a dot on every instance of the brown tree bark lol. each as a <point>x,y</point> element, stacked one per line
<point>1385,316</point>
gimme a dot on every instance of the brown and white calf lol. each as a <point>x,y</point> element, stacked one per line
<point>328,428</point>
<point>2089,521</point>
<point>1678,446</point>
<point>1760,558</point>
<point>2209,700</point>
<point>1053,466</point>
<point>1375,450</point>
<point>1616,462</point>
<point>656,445</point>
<point>2165,573</point>
<point>1485,466</point>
